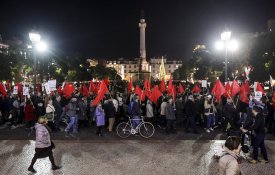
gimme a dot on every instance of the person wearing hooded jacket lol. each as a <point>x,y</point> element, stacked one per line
<point>228,161</point>
<point>43,144</point>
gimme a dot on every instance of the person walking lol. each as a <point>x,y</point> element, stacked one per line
<point>100,119</point>
<point>43,144</point>
<point>149,112</point>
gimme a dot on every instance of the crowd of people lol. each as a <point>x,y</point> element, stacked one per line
<point>195,112</point>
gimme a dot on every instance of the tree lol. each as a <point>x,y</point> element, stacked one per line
<point>262,57</point>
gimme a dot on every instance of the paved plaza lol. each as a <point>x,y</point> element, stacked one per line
<point>124,157</point>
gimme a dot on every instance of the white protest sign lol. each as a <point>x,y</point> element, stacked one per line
<point>52,84</point>
<point>25,90</point>
<point>203,83</point>
<point>47,88</point>
<point>255,86</point>
<point>15,90</point>
<point>258,95</point>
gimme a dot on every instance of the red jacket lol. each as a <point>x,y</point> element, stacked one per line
<point>29,112</point>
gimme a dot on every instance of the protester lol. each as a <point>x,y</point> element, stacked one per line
<point>149,112</point>
<point>100,119</point>
<point>228,161</point>
<point>163,113</point>
<point>72,114</point>
<point>134,111</point>
<point>50,112</point>
<point>190,114</point>
<point>110,112</point>
<point>58,111</point>
<point>170,117</point>
<point>43,144</point>
<point>82,113</point>
<point>209,112</point>
<point>29,115</point>
<point>259,128</point>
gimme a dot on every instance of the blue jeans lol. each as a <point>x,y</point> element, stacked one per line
<point>135,122</point>
<point>210,120</point>
<point>259,143</point>
<point>72,124</point>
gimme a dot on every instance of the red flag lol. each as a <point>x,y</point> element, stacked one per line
<point>106,81</point>
<point>91,87</point>
<point>97,88</point>
<point>147,84</point>
<point>85,91</point>
<point>196,89</point>
<point>174,93</point>
<point>147,88</point>
<point>170,86</point>
<point>130,86</point>
<point>260,88</point>
<point>68,89</point>
<point>19,88</point>
<point>228,90</point>
<point>162,86</point>
<point>140,93</point>
<point>80,89</point>
<point>180,89</point>
<point>273,100</point>
<point>155,95</point>
<point>101,93</point>
<point>235,88</point>
<point>218,90</point>
<point>59,90</point>
<point>8,85</point>
<point>244,93</point>
<point>3,89</point>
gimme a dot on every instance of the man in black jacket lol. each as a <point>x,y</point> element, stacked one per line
<point>259,128</point>
<point>190,111</point>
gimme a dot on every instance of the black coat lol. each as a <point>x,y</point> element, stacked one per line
<point>190,108</point>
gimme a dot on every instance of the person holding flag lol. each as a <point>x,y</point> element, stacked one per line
<point>209,112</point>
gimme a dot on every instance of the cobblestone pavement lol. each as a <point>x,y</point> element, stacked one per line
<point>101,157</point>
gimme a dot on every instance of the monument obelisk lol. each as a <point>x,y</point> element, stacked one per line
<point>143,62</point>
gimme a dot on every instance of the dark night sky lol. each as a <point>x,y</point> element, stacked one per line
<point>109,28</point>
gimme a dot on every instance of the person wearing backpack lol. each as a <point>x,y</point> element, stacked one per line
<point>228,161</point>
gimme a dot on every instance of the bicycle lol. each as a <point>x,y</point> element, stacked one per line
<point>145,129</point>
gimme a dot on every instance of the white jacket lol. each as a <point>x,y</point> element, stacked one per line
<point>149,111</point>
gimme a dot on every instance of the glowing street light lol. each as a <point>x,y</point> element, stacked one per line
<point>35,38</point>
<point>226,44</point>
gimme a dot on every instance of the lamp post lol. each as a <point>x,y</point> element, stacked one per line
<point>35,38</point>
<point>226,43</point>
<point>225,36</point>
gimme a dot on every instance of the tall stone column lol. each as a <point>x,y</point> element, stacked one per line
<point>144,64</point>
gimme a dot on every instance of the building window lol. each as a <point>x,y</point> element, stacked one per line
<point>169,71</point>
<point>125,71</point>
<point>174,66</point>
<point>153,71</point>
<point>169,66</point>
<point>135,66</point>
<point>129,66</point>
<point>153,66</point>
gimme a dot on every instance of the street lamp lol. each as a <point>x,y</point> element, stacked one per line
<point>35,38</point>
<point>228,45</point>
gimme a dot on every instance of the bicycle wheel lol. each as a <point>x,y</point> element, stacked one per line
<point>146,130</point>
<point>123,130</point>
